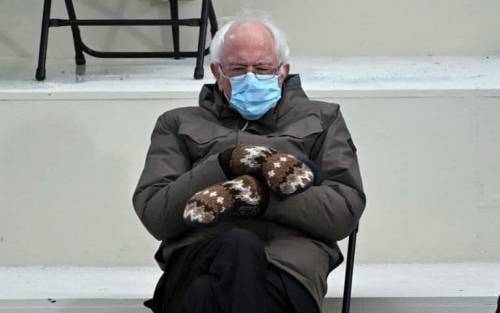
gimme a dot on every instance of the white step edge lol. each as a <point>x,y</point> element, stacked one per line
<point>470,279</point>
<point>330,305</point>
<point>322,77</point>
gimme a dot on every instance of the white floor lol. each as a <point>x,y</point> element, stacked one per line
<point>342,76</point>
<point>370,280</point>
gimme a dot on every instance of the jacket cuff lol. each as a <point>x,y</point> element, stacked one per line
<point>265,194</point>
<point>224,158</point>
<point>205,174</point>
<point>314,168</point>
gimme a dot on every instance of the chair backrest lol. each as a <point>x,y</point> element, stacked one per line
<point>351,249</point>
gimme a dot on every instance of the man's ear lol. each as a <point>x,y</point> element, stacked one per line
<point>215,70</point>
<point>285,70</point>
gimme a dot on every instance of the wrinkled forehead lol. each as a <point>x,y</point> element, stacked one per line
<point>249,43</point>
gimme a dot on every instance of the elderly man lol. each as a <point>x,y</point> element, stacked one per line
<point>250,191</point>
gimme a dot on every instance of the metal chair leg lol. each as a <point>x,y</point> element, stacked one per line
<point>174,16</point>
<point>198,71</point>
<point>213,19</point>
<point>42,54</point>
<point>346,303</point>
<point>77,39</point>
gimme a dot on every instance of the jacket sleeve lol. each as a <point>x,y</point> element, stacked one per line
<point>328,211</point>
<point>168,181</point>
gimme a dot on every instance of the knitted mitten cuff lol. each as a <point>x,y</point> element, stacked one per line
<point>242,196</point>
<point>224,159</point>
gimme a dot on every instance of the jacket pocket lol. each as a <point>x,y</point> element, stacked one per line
<point>298,138</point>
<point>204,139</point>
<point>301,128</point>
<point>202,133</point>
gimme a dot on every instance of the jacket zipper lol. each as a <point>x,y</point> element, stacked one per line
<point>238,133</point>
<point>244,126</point>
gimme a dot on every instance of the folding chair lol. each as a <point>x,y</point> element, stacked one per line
<point>351,249</point>
<point>207,14</point>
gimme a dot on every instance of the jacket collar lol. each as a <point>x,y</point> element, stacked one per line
<point>212,99</point>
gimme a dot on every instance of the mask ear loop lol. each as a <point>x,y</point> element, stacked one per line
<point>280,71</point>
<point>221,72</point>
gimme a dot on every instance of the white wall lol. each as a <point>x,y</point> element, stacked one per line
<point>329,27</point>
<point>430,167</point>
<point>68,167</point>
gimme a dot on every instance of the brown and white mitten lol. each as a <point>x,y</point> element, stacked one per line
<point>244,159</point>
<point>286,175</point>
<point>242,196</point>
<point>283,173</point>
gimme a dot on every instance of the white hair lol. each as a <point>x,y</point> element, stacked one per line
<point>280,42</point>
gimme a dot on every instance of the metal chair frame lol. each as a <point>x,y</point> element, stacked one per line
<point>351,249</point>
<point>207,15</point>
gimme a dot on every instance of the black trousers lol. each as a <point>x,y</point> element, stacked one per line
<point>227,274</point>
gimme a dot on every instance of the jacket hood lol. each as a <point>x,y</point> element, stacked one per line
<point>213,100</point>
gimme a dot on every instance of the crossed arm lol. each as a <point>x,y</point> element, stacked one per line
<point>331,210</point>
<point>168,180</point>
<point>328,212</point>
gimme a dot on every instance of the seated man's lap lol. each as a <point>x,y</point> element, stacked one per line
<point>185,265</point>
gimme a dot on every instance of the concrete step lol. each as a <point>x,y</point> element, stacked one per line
<point>356,76</point>
<point>331,305</point>
<point>455,280</point>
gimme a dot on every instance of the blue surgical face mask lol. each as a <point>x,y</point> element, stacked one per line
<point>252,97</point>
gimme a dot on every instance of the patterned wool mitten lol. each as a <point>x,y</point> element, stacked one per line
<point>242,196</point>
<point>284,173</point>
<point>244,159</point>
